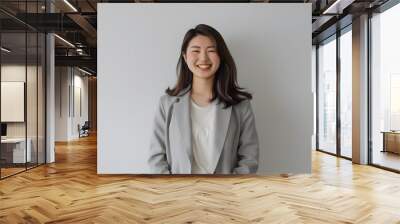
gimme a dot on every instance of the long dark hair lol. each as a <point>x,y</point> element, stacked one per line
<point>226,87</point>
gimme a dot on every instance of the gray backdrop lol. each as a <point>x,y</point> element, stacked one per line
<point>138,48</point>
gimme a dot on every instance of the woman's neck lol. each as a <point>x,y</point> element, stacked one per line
<point>202,90</point>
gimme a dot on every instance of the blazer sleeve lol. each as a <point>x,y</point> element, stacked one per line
<point>157,159</point>
<point>248,149</point>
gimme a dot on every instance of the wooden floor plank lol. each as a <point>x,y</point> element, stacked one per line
<point>70,191</point>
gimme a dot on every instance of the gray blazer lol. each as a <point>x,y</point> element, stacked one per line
<point>171,142</point>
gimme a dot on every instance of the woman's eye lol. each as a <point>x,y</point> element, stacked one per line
<point>196,51</point>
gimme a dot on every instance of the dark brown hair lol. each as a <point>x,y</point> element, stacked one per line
<point>226,87</point>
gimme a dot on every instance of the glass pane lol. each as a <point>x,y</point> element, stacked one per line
<point>13,86</point>
<point>31,101</point>
<point>22,88</point>
<point>386,89</point>
<point>313,81</point>
<point>327,97</point>
<point>41,98</point>
<point>346,93</point>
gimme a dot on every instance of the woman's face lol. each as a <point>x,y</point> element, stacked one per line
<point>202,57</point>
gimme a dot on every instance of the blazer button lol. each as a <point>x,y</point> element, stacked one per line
<point>177,100</point>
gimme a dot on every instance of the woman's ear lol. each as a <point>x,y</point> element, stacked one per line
<point>184,57</point>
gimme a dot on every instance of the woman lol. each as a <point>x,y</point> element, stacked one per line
<point>205,124</point>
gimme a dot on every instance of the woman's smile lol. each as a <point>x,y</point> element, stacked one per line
<point>204,66</point>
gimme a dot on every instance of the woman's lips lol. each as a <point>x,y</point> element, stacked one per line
<point>204,66</point>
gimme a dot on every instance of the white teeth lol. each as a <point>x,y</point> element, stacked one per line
<point>204,66</point>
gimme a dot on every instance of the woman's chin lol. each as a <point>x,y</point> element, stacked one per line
<point>204,75</point>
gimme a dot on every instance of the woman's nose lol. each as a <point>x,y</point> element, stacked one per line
<point>204,56</point>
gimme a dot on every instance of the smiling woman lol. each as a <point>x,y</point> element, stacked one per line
<point>211,130</point>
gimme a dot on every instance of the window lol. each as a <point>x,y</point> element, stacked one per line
<point>22,77</point>
<point>327,96</point>
<point>346,75</point>
<point>385,88</point>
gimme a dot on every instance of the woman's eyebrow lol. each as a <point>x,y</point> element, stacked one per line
<point>199,46</point>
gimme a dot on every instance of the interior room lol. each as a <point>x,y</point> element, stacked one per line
<point>22,102</point>
<point>55,167</point>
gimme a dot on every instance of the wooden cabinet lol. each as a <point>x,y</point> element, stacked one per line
<point>391,142</point>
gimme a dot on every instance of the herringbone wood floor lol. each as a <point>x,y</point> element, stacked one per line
<point>70,191</point>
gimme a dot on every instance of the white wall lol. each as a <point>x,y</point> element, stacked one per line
<point>138,48</point>
<point>68,81</point>
<point>61,103</point>
<point>79,117</point>
<point>12,101</point>
<point>18,73</point>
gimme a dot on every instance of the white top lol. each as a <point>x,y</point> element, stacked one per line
<point>203,132</point>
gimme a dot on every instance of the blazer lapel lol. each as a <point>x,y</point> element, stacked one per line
<point>222,120</point>
<point>184,129</point>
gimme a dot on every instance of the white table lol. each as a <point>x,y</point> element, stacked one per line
<point>18,144</point>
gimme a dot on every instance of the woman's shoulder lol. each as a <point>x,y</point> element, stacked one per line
<point>244,104</point>
<point>167,100</point>
<point>243,107</point>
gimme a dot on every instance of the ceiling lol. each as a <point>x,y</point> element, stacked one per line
<point>76,22</point>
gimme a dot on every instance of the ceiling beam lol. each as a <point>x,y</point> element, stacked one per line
<point>84,61</point>
<point>84,24</point>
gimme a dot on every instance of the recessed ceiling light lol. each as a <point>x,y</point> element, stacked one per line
<point>337,7</point>
<point>70,5</point>
<point>64,40</point>
<point>328,10</point>
<point>84,71</point>
<point>5,50</point>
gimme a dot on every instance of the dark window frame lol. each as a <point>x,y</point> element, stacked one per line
<point>30,30</point>
<point>334,37</point>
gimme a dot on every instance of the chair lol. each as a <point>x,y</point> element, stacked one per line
<point>84,130</point>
